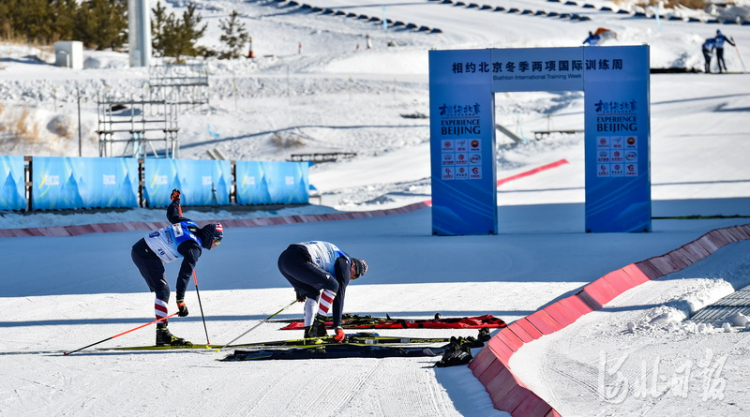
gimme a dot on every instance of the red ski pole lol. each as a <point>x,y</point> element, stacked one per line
<point>118,335</point>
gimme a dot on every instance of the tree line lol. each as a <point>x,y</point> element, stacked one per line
<point>103,24</point>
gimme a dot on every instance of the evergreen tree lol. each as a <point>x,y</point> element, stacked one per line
<point>102,23</point>
<point>42,21</point>
<point>235,36</point>
<point>31,19</point>
<point>64,15</point>
<point>176,38</point>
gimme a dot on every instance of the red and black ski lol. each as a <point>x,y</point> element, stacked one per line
<point>368,322</point>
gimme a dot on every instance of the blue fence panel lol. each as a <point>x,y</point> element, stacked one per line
<point>12,187</point>
<point>251,183</point>
<point>69,183</point>
<point>74,183</point>
<point>202,183</point>
<point>272,182</point>
<point>288,182</point>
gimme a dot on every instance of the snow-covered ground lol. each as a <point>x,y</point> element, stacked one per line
<point>60,294</point>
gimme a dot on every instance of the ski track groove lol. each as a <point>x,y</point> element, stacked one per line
<point>359,386</point>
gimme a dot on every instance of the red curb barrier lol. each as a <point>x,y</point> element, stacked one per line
<point>589,302</point>
<point>509,393</point>
<point>635,273</point>
<point>500,349</point>
<point>520,333</point>
<point>492,370</point>
<point>648,269</point>
<point>574,303</point>
<point>527,326</point>
<point>513,398</point>
<point>500,385</point>
<point>619,281</point>
<point>532,406</point>
<point>600,291</point>
<point>481,362</point>
<point>510,339</point>
<point>542,321</point>
<point>561,313</point>
<point>685,256</point>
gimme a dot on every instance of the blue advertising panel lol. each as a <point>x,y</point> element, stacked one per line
<point>462,143</point>
<point>70,183</point>
<point>202,183</point>
<point>272,182</point>
<point>251,183</point>
<point>12,187</point>
<point>617,121</point>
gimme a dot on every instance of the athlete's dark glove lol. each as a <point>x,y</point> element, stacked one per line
<point>183,308</point>
<point>300,298</point>
<point>175,195</point>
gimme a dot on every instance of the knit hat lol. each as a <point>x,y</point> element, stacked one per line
<point>360,267</point>
<point>212,235</point>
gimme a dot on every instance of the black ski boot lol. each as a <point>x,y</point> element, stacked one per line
<point>165,337</point>
<point>317,328</point>
<point>458,353</point>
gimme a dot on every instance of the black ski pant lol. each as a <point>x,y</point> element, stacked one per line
<point>305,276</point>
<point>707,57</point>
<point>720,59</point>
<point>152,269</point>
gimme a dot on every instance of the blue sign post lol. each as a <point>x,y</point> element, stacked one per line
<point>618,126</point>
<point>462,143</point>
<point>617,131</point>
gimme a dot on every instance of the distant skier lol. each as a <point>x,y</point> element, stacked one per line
<point>183,239</point>
<point>720,39</point>
<point>320,273</point>
<point>592,40</point>
<point>708,50</point>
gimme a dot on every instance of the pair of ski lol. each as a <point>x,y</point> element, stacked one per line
<point>353,321</point>
<point>351,339</point>
<point>454,351</point>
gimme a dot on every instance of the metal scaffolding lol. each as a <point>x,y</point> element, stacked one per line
<point>186,83</point>
<point>129,127</point>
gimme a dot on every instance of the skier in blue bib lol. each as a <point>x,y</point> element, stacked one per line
<point>708,49</point>
<point>183,239</point>
<point>720,39</point>
<point>320,272</point>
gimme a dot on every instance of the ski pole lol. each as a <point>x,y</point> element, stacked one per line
<point>261,322</point>
<point>118,335</point>
<point>195,279</point>
<point>197,292</point>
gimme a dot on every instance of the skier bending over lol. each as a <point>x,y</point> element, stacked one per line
<point>708,50</point>
<point>320,273</point>
<point>183,239</point>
